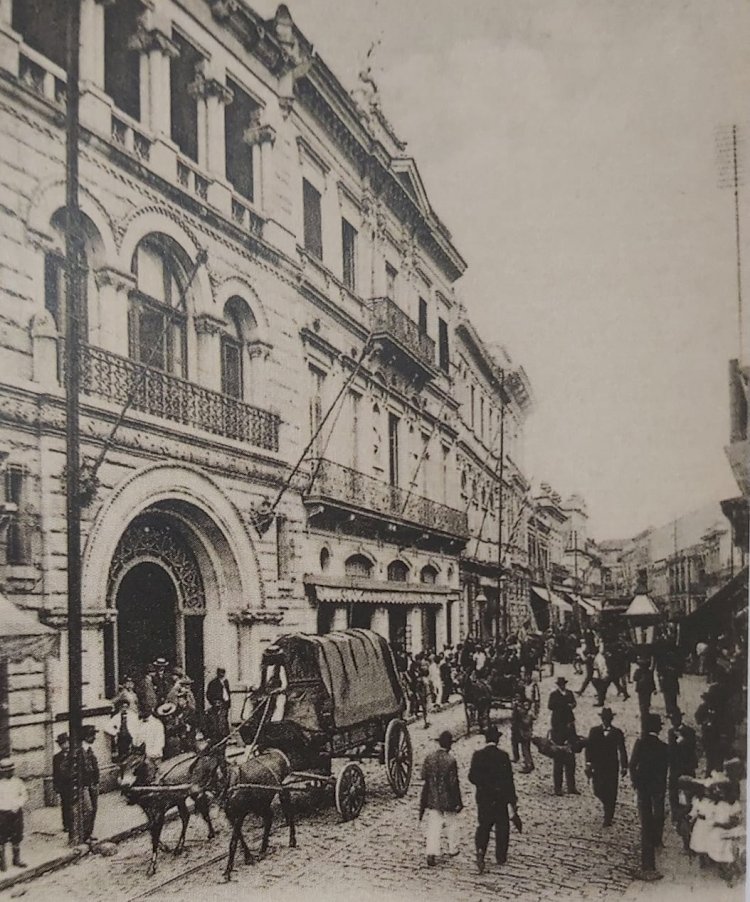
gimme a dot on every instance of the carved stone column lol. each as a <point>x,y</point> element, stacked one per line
<point>108,322</point>
<point>208,330</point>
<point>212,95</point>
<point>44,343</point>
<point>9,39</point>
<point>261,137</point>
<point>254,385</point>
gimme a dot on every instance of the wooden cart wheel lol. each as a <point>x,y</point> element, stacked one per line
<point>350,791</point>
<point>398,757</point>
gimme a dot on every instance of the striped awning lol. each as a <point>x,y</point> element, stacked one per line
<point>552,598</point>
<point>363,591</point>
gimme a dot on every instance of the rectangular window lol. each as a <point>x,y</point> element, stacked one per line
<point>184,106</point>
<point>349,254</point>
<point>16,539</point>
<point>122,64</point>
<point>313,222</point>
<point>231,367</point>
<point>316,406</point>
<point>393,449</point>
<point>443,350</point>
<point>353,428</point>
<point>391,274</point>
<point>422,316</point>
<point>157,337</point>
<point>239,115</point>
<point>43,25</point>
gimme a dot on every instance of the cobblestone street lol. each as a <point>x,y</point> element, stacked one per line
<point>562,853</point>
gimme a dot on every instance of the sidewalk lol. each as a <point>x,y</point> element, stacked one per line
<point>45,847</point>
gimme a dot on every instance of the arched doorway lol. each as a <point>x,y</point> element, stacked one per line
<point>146,618</point>
<point>157,589</point>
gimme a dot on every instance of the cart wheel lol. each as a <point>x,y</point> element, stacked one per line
<point>398,757</point>
<point>350,792</point>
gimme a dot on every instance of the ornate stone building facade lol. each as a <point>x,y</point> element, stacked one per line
<point>272,431</point>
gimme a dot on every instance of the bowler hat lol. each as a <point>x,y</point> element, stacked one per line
<point>62,738</point>
<point>654,723</point>
<point>445,739</point>
<point>606,712</point>
<point>88,733</point>
<point>492,734</point>
<point>7,766</point>
<point>561,681</point>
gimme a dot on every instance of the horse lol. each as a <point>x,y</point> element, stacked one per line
<point>477,697</point>
<point>249,787</point>
<point>156,788</point>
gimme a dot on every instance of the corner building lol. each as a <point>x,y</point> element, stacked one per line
<point>265,283</point>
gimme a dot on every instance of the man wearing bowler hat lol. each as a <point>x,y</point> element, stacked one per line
<point>89,780</point>
<point>62,780</point>
<point>492,774</point>
<point>648,771</point>
<point>440,802</point>
<point>605,751</point>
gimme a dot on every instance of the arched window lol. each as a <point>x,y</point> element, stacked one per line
<point>325,559</point>
<point>397,572</point>
<point>240,325</point>
<point>358,565</point>
<point>428,575</point>
<point>54,273</point>
<point>156,316</point>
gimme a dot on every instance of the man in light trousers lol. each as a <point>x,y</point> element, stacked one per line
<point>440,802</point>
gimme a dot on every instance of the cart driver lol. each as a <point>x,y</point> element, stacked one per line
<point>275,680</point>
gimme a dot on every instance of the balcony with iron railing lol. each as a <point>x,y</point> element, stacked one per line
<point>340,485</point>
<point>123,381</point>
<point>402,335</point>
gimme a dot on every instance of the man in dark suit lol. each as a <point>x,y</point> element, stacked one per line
<point>683,760</point>
<point>648,771</point>
<point>89,780</point>
<point>605,750</point>
<point>62,779</point>
<point>492,774</point>
<point>441,798</point>
<point>563,732</point>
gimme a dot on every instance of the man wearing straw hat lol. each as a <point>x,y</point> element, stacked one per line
<point>441,798</point>
<point>13,797</point>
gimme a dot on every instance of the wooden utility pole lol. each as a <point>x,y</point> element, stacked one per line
<point>74,263</point>
<point>501,597</point>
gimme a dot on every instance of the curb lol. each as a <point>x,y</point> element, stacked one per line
<point>79,852</point>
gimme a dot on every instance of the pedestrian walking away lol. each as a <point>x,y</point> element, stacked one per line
<point>89,781</point>
<point>606,761</point>
<point>492,774</point>
<point>440,802</point>
<point>683,761</point>
<point>648,771</point>
<point>563,734</point>
<point>62,779</point>
<point>643,680</point>
<point>13,797</point>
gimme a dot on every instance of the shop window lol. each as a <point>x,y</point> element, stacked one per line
<point>349,254</point>
<point>122,62</point>
<point>156,316</point>
<point>184,105</point>
<point>43,25</point>
<point>239,115</point>
<point>398,572</point>
<point>312,220</point>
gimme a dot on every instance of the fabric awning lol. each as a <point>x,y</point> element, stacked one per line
<point>23,636</point>
<point>552,598</point>
<point>588,606</point>
<point>364,591</point>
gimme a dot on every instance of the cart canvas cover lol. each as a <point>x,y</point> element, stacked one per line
<point>357,670</point>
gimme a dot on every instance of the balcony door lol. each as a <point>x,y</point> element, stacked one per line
<point>393,423</point>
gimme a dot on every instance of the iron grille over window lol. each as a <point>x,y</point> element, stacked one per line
<point>313,224</point>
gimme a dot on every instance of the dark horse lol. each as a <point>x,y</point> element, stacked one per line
<point>249,787</point>
<point>477,697</point>
<point>157,788</point>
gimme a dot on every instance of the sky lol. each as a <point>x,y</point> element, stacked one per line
<point>570,148</point>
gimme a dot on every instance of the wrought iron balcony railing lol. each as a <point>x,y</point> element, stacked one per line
<point>334,482</point>
<point>389,321</point>
<point>160,394</point>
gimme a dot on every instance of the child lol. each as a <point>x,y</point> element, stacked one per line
<point>725,836</point>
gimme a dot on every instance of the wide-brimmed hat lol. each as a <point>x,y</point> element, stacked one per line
<point>161,662</point>
<point>166,709</point>
<point>606,712</point>
<point>445,739</point>
<point>561,681</point>
<point>7,766</point>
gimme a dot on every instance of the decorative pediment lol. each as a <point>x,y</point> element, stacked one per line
<point>408,174</point>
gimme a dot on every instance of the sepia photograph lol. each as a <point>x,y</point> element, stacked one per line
<point>374,459</point>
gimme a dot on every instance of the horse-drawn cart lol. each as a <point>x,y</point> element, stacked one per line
<point>327,697</point>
